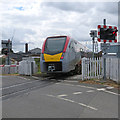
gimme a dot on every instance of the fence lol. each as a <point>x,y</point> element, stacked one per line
<point>113,69</point>
<point>91,68</point>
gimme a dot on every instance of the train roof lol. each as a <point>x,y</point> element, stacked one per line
<point>58,36</point>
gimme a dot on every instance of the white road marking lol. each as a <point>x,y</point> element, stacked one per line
<point>77,85</point>
<point>61,95</point>
<point>65,84</point>
<point>57,83</point>
<point>109,87</point>
<point>90,91</point>
<point>18,84</point>
<point>76,93</point>
<point>23,78</point>
<point>85,86</point>
<point>98,89</point>
<point>68,100</point>
<point>101,89</point>
<point>104,90</point>
<point>50,95</point>
<point>35,77</point>
<point>111,92</point>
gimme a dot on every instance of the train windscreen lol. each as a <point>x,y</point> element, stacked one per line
<point>55,45</point>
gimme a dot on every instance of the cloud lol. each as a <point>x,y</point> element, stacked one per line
<point>108,7</point>
<point>81,7</point>
<point>33,20</point>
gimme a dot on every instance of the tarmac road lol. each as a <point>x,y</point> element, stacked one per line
<point>29,97</point>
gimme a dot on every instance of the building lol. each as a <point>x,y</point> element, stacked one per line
<point>36,51</point>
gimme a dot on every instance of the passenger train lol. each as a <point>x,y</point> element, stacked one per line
<point>61,54</point>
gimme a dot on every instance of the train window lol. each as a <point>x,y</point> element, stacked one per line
<point>55,45</point>
<point>71,44</point>
<point>75,43</point>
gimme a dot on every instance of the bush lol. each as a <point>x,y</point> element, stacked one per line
<point>2,61</point>
<point>37,61</point>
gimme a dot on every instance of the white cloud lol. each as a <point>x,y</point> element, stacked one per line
<point>34,20</point>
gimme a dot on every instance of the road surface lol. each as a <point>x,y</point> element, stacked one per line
<point>32,97</point>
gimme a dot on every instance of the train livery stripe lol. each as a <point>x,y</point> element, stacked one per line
<point>66,44</point>
<point>43,47</point>
<point>52,58</point>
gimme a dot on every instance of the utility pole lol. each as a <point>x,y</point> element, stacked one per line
<point>96,47</point>
<point>8,63</point>
<point>104,59</point>
<point>93,34</point>
<point>93,46</point>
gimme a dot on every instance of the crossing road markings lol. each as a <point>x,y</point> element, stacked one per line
<point>76,93</point>
<point>23,78</point>
<point>104,90</point>
<point>109,87</point>
<point>62,95</point>
<point>111,92</point>
<point>90,91</point>
<point>35,77</point>
<point>85,86</point>
<point>64,84</point>
<point>68,100</point>
<point>101,89</point>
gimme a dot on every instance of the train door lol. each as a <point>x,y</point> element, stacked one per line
<point>71,55</point>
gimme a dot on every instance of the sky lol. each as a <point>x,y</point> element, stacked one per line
<point>31,21</point>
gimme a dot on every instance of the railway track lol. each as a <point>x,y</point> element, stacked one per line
<point>23,87</point>
<point>35,82</point>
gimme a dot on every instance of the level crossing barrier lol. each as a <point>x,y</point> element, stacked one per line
<point>9,69</point>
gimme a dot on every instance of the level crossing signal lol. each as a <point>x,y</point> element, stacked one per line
<point>107,33</point>
<point>5,51</point>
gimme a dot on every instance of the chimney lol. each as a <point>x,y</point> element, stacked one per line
<point>26,47</point>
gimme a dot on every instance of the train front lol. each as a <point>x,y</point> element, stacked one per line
<point>53,58</point>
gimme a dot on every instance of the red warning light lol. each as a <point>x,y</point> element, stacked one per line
<point>105,41</point>
<point>114,32</point>
<point>104,26</point>
<point>110,27</point>
<point>110,40</point>
<point>115,41</point>
<point>99,26</point>
<point>99,39</point>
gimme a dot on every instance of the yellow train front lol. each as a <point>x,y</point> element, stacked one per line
<point>60,54</point>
